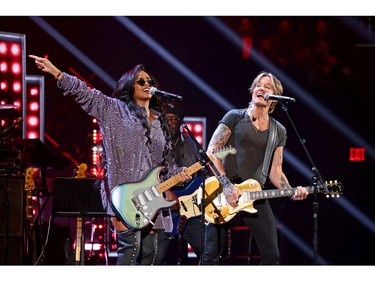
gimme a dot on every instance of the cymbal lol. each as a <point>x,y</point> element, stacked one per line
<point>7,106</point>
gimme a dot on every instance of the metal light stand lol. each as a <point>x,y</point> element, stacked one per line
<point>316,180</point>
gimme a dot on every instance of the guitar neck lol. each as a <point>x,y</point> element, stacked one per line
<point>78,239</point>
<point>273,193</point>
<point>164,186</point>
<point>29,209</point>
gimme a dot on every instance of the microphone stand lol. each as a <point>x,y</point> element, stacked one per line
<point>316,180</point>
<point>204,160</point>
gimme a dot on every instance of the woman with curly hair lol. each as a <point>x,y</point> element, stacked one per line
<point>135,140</point>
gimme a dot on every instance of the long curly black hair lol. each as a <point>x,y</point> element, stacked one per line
<point>124,91</point>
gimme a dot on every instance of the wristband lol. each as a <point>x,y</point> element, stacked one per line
<point>58,75</point>
<point>228,187</point>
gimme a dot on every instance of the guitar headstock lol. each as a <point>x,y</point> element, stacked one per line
<point>332,188</point>
<point>29,181</point>
<point>81,170</point>
<point>224,151</point>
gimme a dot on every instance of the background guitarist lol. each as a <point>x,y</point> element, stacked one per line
<point>135,140</point>
<point>259,140</point>
<point>186,154</point>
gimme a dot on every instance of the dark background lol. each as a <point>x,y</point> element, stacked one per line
<point>343,237</point>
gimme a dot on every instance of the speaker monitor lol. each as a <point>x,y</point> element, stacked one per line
<point>11,220</point>
<point>11,206</point>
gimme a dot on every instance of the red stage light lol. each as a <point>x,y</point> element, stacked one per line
<point>3,48</point>
<point>32,135</point>
<point>17,87</point>
<point>34,106</point>
<point>198,128</point>
<point>33,121</point>
<point>16,68</point>
<point>199,139</point>
<point>17,104</point>
<point>4,86</point>
<point>34,92</point>
<point>12,53</point>
<point>3,67</point>
<point>15,49</point>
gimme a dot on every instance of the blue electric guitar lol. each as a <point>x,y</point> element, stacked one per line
<point>188,208</point>
<point>138,203</point>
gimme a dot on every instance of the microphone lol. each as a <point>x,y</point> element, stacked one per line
<point>156,92</point>
<point>278,98</point>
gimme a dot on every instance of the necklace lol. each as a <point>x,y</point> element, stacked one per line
<point>262,124</point>
<point>253,118</point>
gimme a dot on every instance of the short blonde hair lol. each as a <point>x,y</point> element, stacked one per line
<point>276,85</point>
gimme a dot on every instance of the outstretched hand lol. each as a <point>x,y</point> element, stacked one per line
<point>46,66</point>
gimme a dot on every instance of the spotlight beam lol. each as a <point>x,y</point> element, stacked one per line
<point>173,61</point>
<point>74,50</point>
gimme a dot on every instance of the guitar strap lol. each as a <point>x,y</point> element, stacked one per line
<point>271,142</point>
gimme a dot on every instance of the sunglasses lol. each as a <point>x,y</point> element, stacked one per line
<point>142,82</point>
<point>173,119</point>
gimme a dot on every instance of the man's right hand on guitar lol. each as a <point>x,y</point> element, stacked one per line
<point>230,191</point>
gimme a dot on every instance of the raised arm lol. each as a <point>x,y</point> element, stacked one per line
<point>46,66</point>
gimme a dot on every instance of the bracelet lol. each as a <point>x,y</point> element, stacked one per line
<point>58,75</point>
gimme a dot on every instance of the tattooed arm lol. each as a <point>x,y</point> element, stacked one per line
<point>277,175</point>
<point>279,179</point>
<point>219,139</point>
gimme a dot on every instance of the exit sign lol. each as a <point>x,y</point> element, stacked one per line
<point>356,154</point>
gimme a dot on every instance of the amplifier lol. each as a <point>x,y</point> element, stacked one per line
<point>11,206</point>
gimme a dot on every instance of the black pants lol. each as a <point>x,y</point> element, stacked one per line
<point>141,247</point>
<point>178,246</point>
<point>192,235</point>
<point>262,226</point>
